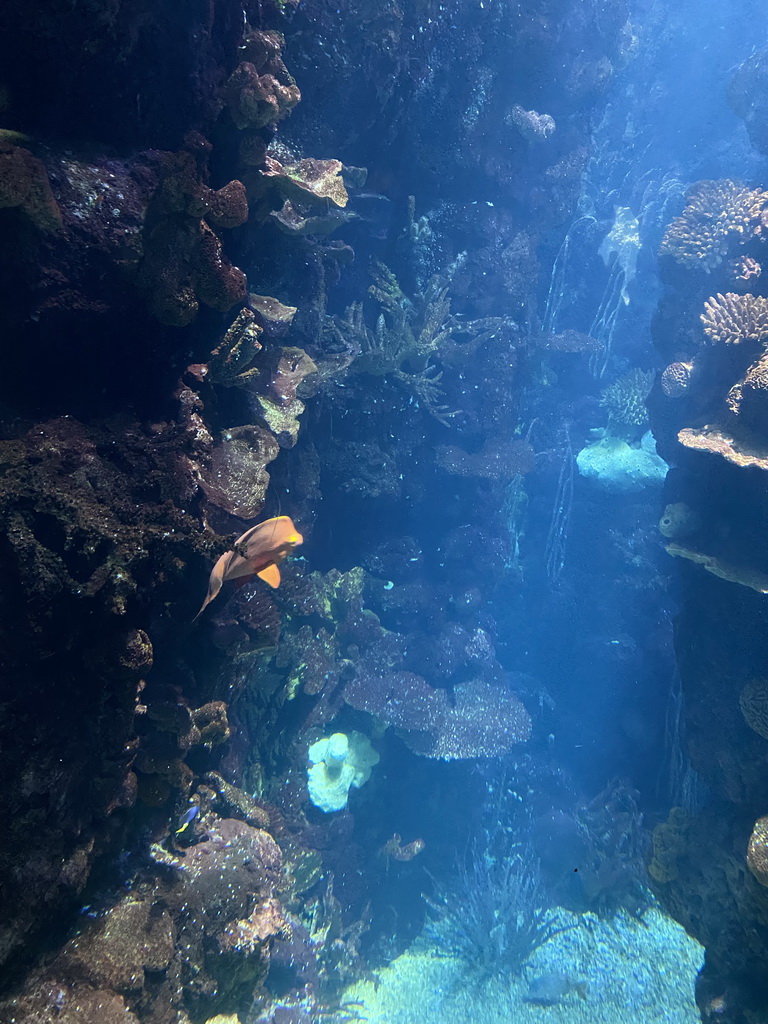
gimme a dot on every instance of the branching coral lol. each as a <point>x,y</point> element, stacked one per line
<point>409,335</point>
<point>625,398</point>
<point>229,364</point>
<point>733,319</point>
<point>717,214</point>
<point>740,449</point>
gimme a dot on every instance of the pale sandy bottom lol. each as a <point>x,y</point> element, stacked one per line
<point>634,970</point>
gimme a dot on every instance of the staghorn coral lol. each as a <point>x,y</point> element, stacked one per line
<point>717,214</point>
<point>753,701</point>
<point>676,379</point>
<point>625,399</point>
<point>410,334</point>
<point>733,318</point>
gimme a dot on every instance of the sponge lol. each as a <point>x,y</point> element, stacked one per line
<point>337,763</point>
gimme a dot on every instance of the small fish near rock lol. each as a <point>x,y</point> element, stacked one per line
<point>257,553</point>
<point>552,989</point>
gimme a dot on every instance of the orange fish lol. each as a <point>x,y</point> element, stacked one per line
<point>264,545</point>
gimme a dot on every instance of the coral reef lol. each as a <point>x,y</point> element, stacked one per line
<point>625,399</point>
<point>733,319</point>
<point>707,871</point>
<point>717,215</point>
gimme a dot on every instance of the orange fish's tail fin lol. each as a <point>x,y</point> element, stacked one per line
<point>215,582</point>
<point>270,575</point>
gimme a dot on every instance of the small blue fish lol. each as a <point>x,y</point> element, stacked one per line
<point>187,818</point>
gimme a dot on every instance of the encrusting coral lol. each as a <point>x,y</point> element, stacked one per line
<point>410,337</point>
<point>717,214</point>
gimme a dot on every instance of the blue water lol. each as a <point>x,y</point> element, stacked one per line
<point>473,727</point>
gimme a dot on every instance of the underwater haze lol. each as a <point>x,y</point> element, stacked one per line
<point>384,512</point>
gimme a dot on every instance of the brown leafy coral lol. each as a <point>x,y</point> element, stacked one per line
<point>260,90</point>
<point>717,214</point>
<point>753,701</point>
<point>733,319</point>
<point>184,264</point>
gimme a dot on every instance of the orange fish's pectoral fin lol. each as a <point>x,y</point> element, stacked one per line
<point>270,575</point>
